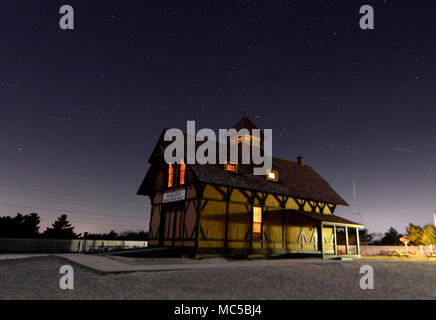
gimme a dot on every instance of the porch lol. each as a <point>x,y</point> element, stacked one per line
<point>338,238</point>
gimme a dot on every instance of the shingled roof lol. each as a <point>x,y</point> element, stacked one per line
<point>295,180</point>
<point>329,218</point>
<point>300,181</point>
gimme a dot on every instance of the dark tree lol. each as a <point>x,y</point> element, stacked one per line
<point>61,229</point>
<point>126,235</point>
<point>20,226</point>
<point>131,235</point>
<point>391,238</point>
<point>112,235</point>
<point>365,236</point>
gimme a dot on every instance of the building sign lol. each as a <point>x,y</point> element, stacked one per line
<point>172,196</point>
<point>405,240</point>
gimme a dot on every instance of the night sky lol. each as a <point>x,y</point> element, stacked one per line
<point>81,109</point>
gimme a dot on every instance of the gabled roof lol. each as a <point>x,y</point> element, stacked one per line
<point>295,180</point>
<point>245,123</point>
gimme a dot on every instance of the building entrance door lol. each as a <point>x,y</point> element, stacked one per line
<point>170,224</point>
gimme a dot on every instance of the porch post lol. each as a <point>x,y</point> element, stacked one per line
<point>336,240</point>
<point>347,249</point>
<point>226,232</point>
<point>321,240</point>
<point>283,230</point>
<point>357,241</point>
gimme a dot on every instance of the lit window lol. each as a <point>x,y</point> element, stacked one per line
<point>255,141</point>
<point>249,139</point>
<point>182,172</point>
<point>170,175</point>
<point>246,138</point>
<point>257,221</point>
<point>272,175</point>
<point>231,167</point>
<point>235,140</point>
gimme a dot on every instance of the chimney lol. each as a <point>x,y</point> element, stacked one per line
<point>300,161</point>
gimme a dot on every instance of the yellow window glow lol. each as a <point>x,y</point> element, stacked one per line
<point>231,167</point>
<point>257,214</point>
<point>170,175</point>
<point>257,220</point>
<point>182,172</point>
<point>272,175</point>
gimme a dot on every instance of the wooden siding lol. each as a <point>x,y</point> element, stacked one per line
<point>221,217</point>
<point>238,210</point>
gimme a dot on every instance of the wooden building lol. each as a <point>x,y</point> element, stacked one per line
<point>225,209</point>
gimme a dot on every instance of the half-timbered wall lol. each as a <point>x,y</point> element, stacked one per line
<point>226,221</point>
<point>174,224</point>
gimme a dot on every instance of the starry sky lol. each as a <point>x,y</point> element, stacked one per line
<point>82,109</point>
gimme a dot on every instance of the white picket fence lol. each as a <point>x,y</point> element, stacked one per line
<point>11,245</point>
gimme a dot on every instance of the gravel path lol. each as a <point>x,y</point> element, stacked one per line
<point>38,278</point>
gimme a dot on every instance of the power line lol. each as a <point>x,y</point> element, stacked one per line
<point>45,215</point>
<point>98,223</point>
<point>66,193</point>
<point>74,201</point>
<point>60,210</point>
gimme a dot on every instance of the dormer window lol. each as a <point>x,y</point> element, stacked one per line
<point>246,138</point>
<point>231,167</point>
<point>272,175</point>
<point>255,140</point>
<point>182,172</point>
<point>236,140</point>
<point>176,174</point>
<point>170,175</point>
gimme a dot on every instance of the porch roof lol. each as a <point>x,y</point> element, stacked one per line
<point>326,219</point>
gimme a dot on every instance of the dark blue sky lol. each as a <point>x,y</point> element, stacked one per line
<point>81,110</point>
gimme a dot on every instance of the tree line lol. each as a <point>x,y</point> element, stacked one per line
<point>418,235</point>
<point>27,226</point>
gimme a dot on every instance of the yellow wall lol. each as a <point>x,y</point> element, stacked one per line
<point>213,216</point>
<point>328,239</point>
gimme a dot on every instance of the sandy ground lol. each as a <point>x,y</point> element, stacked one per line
<point>38,278</point>
<point>20,256</point>
<point>159,261</point>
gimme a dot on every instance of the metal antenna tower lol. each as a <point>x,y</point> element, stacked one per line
<point>356,208</point>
